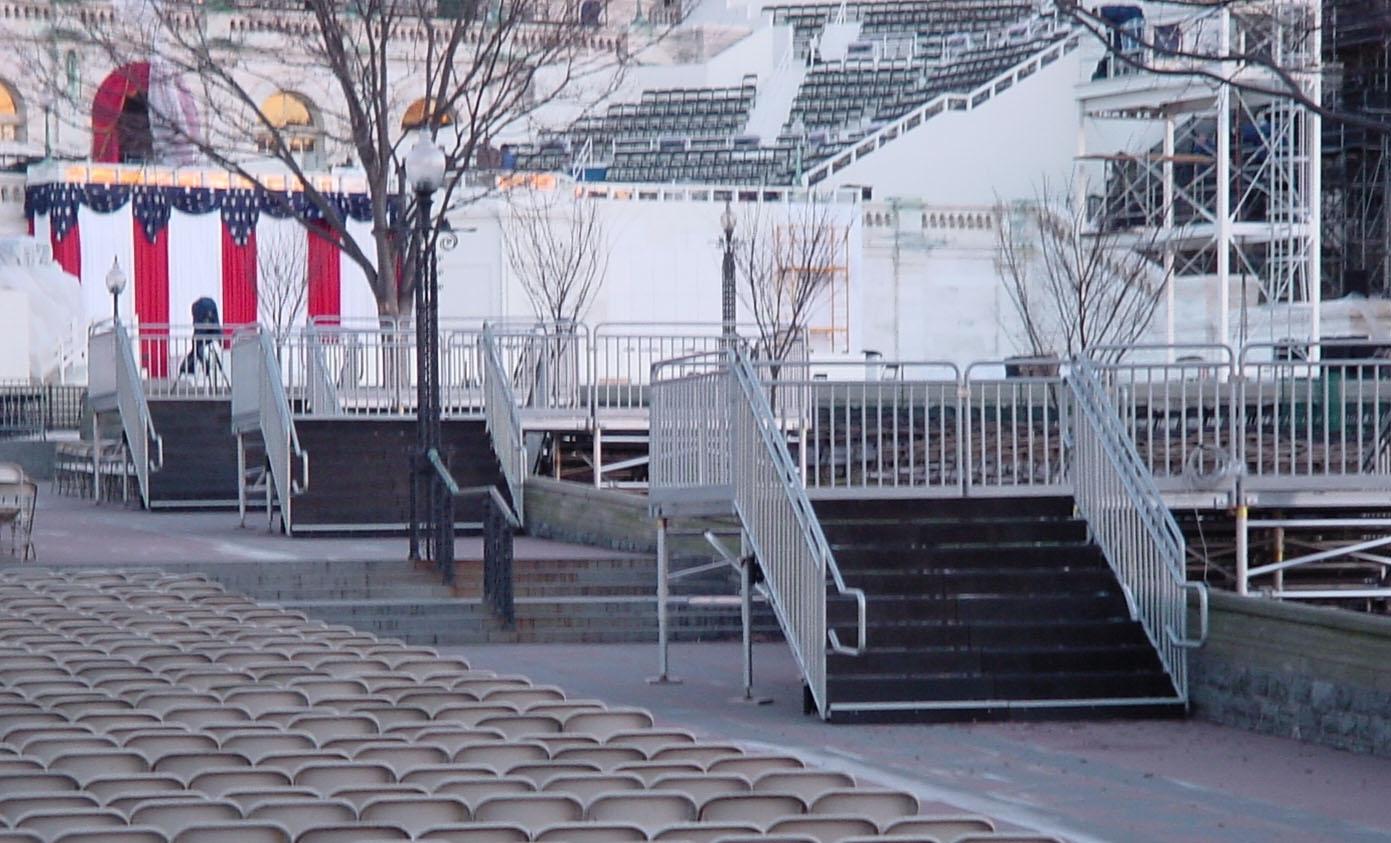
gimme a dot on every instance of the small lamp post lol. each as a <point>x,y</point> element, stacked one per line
<point>115,285</point>
<point>425,170</point>
<point>727,305</point>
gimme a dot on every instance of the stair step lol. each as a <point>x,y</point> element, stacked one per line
<point>909,533</point>
<point>949,581</point>
<point>977,507</point>
<point>1087,606</point>
<point>908,660</point>
<point>996,634</point>
<point>1028,685</point>
<point>1003,555</point>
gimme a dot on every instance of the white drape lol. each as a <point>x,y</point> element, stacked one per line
<point>358,300</point>
<point>104,237</point>
<point>195,263</point>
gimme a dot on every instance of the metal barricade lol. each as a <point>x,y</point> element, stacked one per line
<point>184,360</point>
<point>1129,520</point>
<point>622,355</point>
<point>545,362</point>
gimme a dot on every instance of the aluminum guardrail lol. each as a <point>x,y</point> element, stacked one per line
<point>260,404</point>
<point>1129,520</point>
<point>504,422</point>
<point>114,383</point>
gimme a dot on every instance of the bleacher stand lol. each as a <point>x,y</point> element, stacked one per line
<point>907,53</point>
<point>144,706</point>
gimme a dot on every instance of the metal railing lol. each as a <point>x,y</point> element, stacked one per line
<point>260,405</point>
<point>714,431</point>
<point>114,383</point>
<point>33,409</point>
<point>1014,426</point>
<point>1129,520</point>
<point>504,422</point>
<point>184,360</point>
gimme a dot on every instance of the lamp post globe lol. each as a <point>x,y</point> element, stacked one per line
<point>425,165</point>
<point>115,285</point>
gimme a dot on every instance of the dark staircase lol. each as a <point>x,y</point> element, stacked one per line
<point>200,454</point>
<point>359,473</point>
<point>983,609</point>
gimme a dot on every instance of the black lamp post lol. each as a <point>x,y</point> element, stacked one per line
<point>115,285</point>
<point>425,166</point>
<point>727,291</point>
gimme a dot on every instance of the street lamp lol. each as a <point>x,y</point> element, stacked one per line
<point>425,169</point>
<point>115,285</point>
<point>727,314</point>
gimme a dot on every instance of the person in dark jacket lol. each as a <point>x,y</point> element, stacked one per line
<point>207,330</point>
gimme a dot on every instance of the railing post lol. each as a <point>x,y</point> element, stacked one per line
<point>1243,561</point>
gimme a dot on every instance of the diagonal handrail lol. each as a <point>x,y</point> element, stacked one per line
<point>259,403</point>
<point>504,422</point>
<point>115,384</point>
<point>1128,518</point>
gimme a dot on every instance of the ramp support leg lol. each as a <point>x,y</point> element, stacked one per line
<point>663,676</point>
<point>746,616</point>
<point>241,479</point>
<point>1243,561</point>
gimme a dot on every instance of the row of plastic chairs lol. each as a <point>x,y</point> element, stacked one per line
<point>144,706</point>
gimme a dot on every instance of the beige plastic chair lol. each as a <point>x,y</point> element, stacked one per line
<point>704,832</point>
<point>1007,837</point>
<point>252,797</point>
<point>360,796</point>
<point>944,827</point>
<point>474,790</point>
<point>46,749</point>
<point>591,833</point>
<point>702,754</point>
<point>113,835</point>
<point>518,726</point>
<point>769,838</point>
<point>402,759</point>
<point>434,775</point>
<point>14,807</point>
<point>757,809</point>
<point>326,727</point>
<point>605,757</point>
<point>415,814</point>
<point>217,782</point>
<point>233,832</point>
<point>540,774</point>
<point>501,756</point>
<point>894,838</point>
<point>327,778</point>
<point>51,824</point>
<point>477,833</point>
<point>390,715</point>
<point>259,700</point>
<point>300,815</point>
<point>293,762</point>
<point>157,746</point>
<point>650,741</point>
<point>106,788</point>
<point>604,724</point>
<point>186,765</point>
<point>701,788</point>
<point>353,834</point>
<point>556,741</point>
<point>315,688</point>
<point>587,787</point>
<point>256,745</point>
<point>753,766</point>
<point>650,771</point>
<point>881,806</point>
<point>649,811</point>
<point>471,713</point>
<point>808,784</point>
<point>16,836</point>
<point>174,815</point>
<point>523,697</point>
<point>826,828</point>
<point>531,811</point>
<point>85,766</point>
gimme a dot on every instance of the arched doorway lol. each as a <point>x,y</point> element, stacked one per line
<point>121,116</point>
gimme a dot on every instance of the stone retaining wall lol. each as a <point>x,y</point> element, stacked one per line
<point>1317,674</point>
<point>580,513</point>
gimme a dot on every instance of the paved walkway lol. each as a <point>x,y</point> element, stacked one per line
<point>71,531</point>
<point>1121,781</point>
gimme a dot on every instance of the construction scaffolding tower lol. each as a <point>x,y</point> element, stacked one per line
<point>1217,156</point>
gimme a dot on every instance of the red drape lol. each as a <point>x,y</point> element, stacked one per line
<point>152,298</point>
<point>110,99</point>
<point>68,251</point>
<point>238,279</point>
<point>325,273</point>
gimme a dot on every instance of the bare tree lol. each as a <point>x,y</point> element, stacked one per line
<point>282,288</point>
<point>462,72</point>
<point>558,249</point>
<point>785,269</point>
<point>1076,288</point>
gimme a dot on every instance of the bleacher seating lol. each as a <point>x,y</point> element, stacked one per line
<point>151,707</point>
<point>908,52</point>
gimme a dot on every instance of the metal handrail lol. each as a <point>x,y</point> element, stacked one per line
<point>125,393</point>
<point>504,422</point>
<point>260,404</point>
<point>713,429</point>
<point>323,392</point>
<point>1128,519</point>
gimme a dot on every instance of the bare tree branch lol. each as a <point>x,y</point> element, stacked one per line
<point>282,288</point>
<point>558,249</point>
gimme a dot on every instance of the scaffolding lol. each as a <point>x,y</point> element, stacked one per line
<point>1221,175</point>
<point>1357,160</point>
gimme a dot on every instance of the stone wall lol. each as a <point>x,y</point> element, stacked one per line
<point>1321,675</point>
<point>576,512</point>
